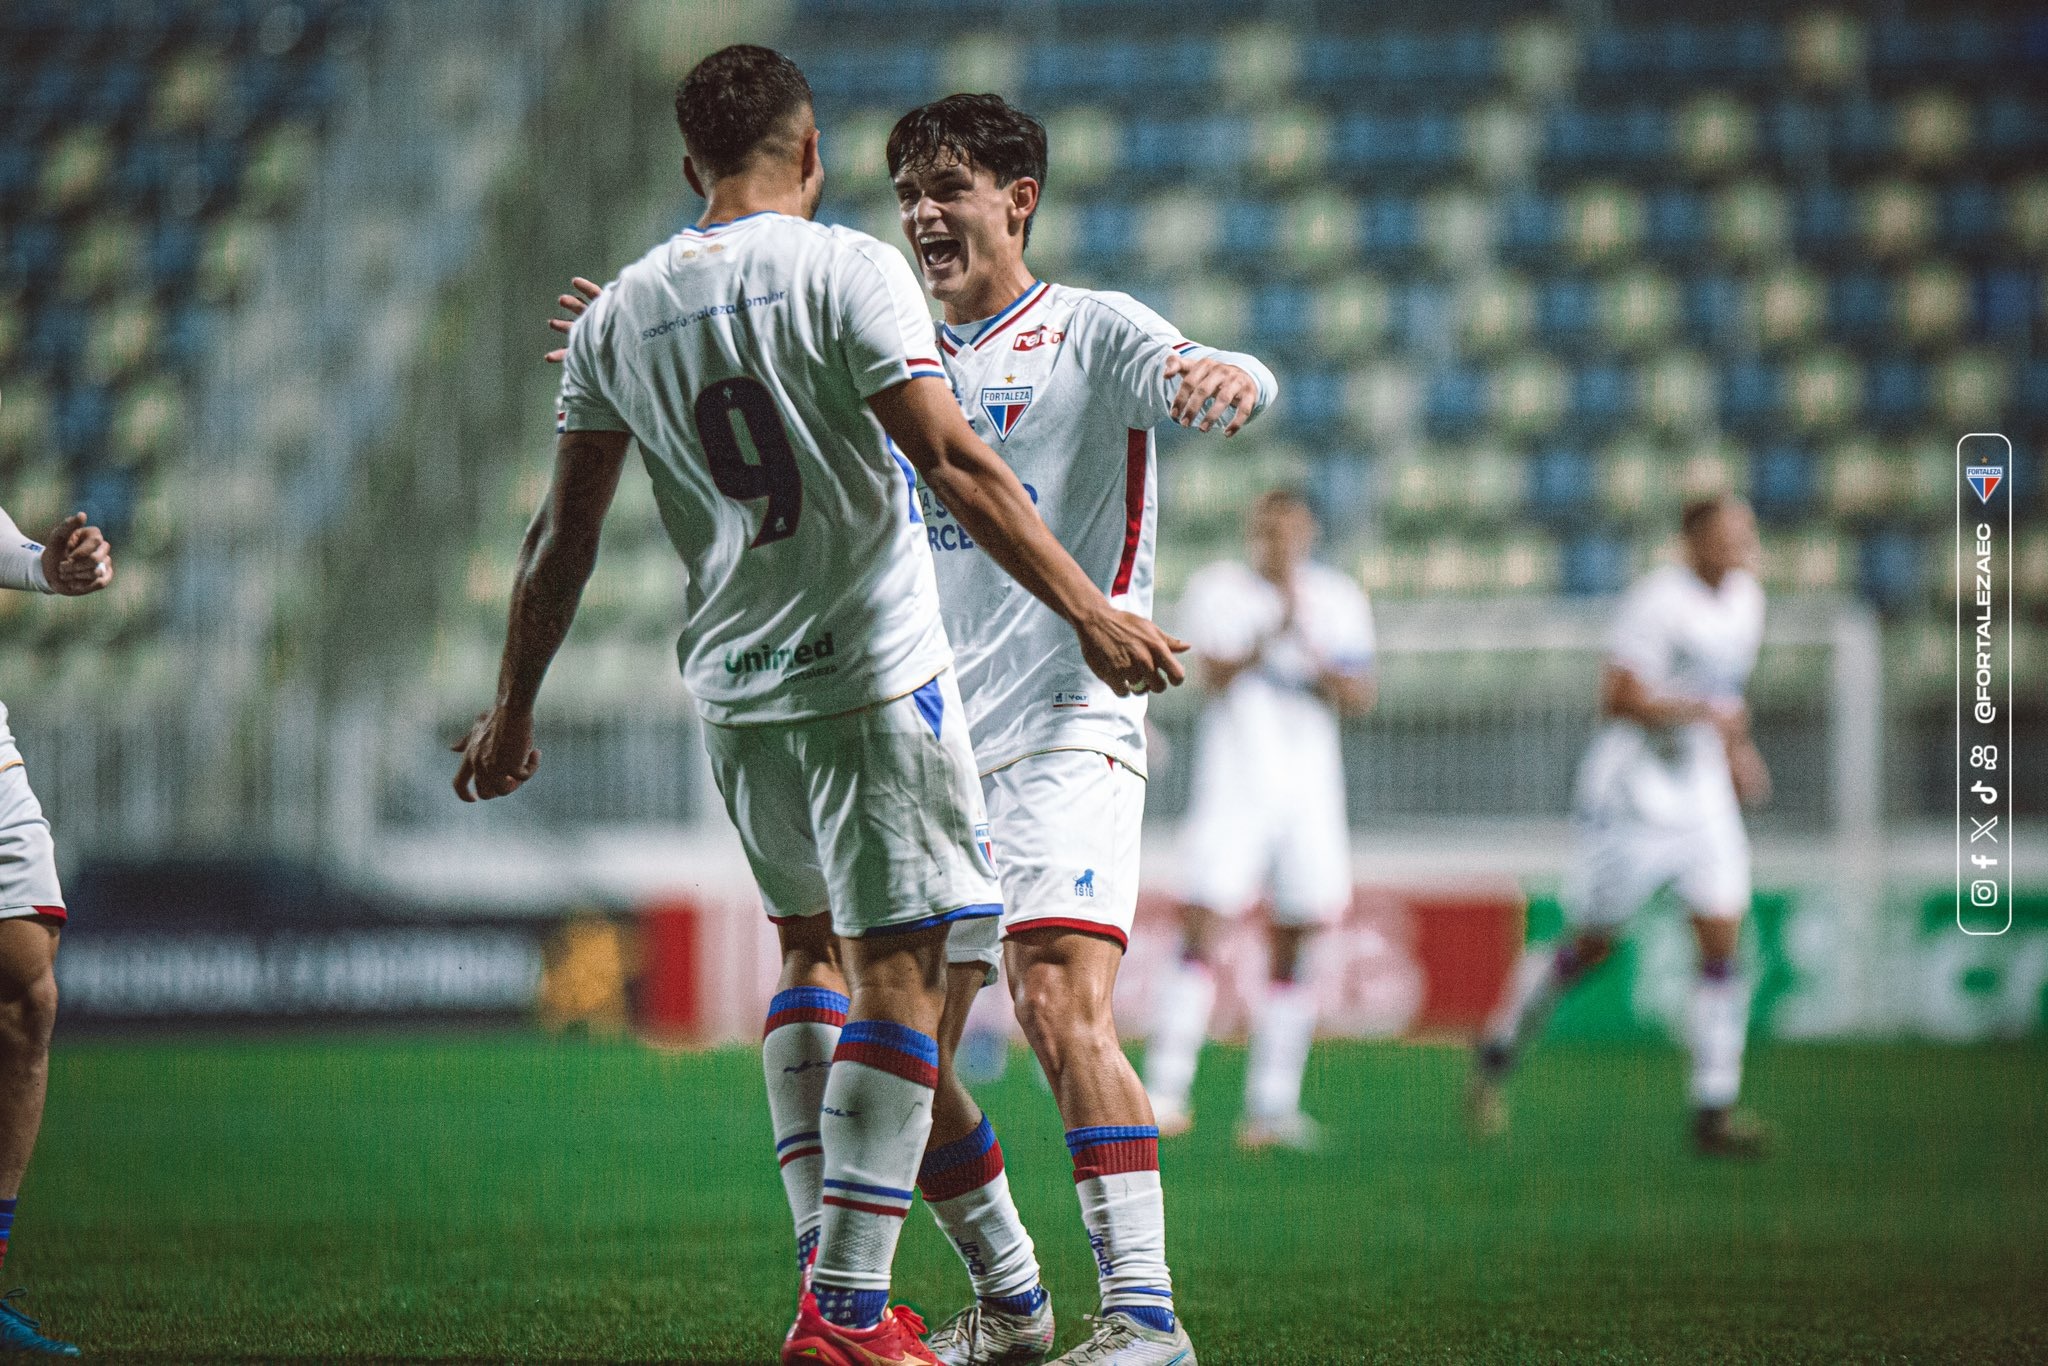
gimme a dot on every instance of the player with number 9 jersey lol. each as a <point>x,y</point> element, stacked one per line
<point>741,357</point>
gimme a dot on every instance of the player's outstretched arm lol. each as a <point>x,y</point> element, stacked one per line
<point>1213,384</point>
<point>1351,691</point>
<point>1624,695</point>
<point>1125,650</point>
<point>573,306</point>
<point>555,562</point>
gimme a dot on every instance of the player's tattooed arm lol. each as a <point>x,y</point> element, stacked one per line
<point>980,490</point>
<point>555,562</point>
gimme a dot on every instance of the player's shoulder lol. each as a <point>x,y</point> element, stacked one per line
<point>1107,308</point>
<point>1220,577</point>
<point>1333,584</point>
<point>1743,588</point>
<point>851,245</point>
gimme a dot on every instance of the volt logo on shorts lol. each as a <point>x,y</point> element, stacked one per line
<point>775,659</point>
<point>1064,701</point>
<point>1084,885</point>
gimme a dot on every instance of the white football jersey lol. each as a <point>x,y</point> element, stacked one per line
<point>1680,637</point>
<point>1270,722</point>
<point>1066,385</point>
<point>739,357</point>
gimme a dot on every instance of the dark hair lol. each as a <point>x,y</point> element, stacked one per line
<point>1694,515</point>
<point>981,130</point>
<point>734,102</point>
<point>1286,496</point>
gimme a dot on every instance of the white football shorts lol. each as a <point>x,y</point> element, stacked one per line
<point>1067,826</point>
<point>874,816</point>
<point>1244,838</point>
<point>28,860</point>
<point>1617,866</point>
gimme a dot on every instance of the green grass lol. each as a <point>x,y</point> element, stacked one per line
<point>511,1198</point>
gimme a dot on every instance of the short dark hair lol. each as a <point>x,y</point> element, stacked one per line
<point>981,130</point>
<point>734,102</point>
<point>1696,512</point>
<point>1286,496</point>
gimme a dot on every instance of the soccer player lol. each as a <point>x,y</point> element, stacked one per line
<point>1284,648</point>
<point>74,561</point>
<point>771,370</point>
<point>1658,805</point>
<point>1067,385</point>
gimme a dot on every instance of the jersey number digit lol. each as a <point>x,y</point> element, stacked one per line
<point>772,473</point>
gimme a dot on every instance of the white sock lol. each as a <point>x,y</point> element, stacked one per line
<point>1180,1023</point>
<point>1281,1035</point>
<point>1116,1176</point>
<point>1719,1028</point>
<point>796,1054</point>
<point>968,1193</point>
<point>875,1119</point>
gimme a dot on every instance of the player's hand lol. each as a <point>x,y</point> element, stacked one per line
<point>1752,776</point>
<point>1131,653</point>
<point>77,558</point>
<point>574,306</point>
<point>1207,382</point>
<point>497,755</point>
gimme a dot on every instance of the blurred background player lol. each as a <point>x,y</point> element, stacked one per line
<point>1658,805</point>
<point>74,561</point>
<point>1284,650</point>
<point>751,355</point>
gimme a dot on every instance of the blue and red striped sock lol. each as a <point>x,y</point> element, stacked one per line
<point>796,1055</point>
<point>969,1195</point>
<point>6,1225</point>
<point>874,1122</point>
<point>1116,1176</point>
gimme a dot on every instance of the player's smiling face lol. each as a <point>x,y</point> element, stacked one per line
<point>966,230</point>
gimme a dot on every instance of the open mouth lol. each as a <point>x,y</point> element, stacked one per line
<point>937,250</point>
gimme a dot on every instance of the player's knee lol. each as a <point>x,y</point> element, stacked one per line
<point>1060,1020</point>
<point>29,1015</point>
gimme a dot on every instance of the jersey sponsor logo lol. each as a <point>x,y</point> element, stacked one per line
<point>712,311</point>
<point>1985,479</point>
<point>1005,407</point>
<point>1084,885</point>
<point>1041,335</point>
<point>777,659</point>
<point>1062,701</point>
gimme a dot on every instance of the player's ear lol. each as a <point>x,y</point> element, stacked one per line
<point>690,174</point>
<point>1023,201</point>
<point>813,161</point>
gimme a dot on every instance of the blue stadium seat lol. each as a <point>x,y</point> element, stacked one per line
<point>1972,218</point>
<point>1684,54</point>
<point>894,76</point>
<point>19,165</point>
<point>1784,483</point>
<point>1675,225</point>
<point>1529,227</point>
<point>2005,299</point>
<point>1895,392</point>
<point>1420,310</point>
<point>1279,313</point>
<point>1888,569</point>
<point>1374,146</point>
<point>173,252</point>
<point>1567,311</point>
<point>1314,402</point>
<point>1123,71</point>
<point>1824,223</point>
<point>55,337</point>
<point>1940,49</point>
<point>2015,130</point>
<point>1409,64</point>
<point>79,426</point>
<point>1454,401</point>
<point>1795,133</point>
<point>1389,229</point>
<point>2030,398</point>
<point>185,337</point>
<point>1713,307</point>
<point>107,495</point>
<point>1603,396</point>
<point>1751,395</point>
<point>1206,147</point>
<point>1587,140</point>
<point>1596,562</point>
<point>1106,232</point>
<point>1564,486</point>
<point>119,93</point>
<point>1249,227</point>
<point>1859,306</point>
<point>1860,134</point>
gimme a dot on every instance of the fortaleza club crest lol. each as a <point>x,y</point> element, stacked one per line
<point>1005,407</point>
<point>1984,479</point>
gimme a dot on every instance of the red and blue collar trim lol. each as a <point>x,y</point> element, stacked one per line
<point>1017,308</point>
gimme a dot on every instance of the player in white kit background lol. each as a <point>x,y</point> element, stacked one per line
<point>74,561</point>
<point>1283,651</point>
<point>1066,385</point>
<point>1658,805</point>
<point>778,377</point>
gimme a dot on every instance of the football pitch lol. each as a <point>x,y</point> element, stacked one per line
<point>512,1198</point>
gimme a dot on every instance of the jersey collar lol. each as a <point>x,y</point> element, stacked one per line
<point>694,231</point>
<point>953,342</point>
